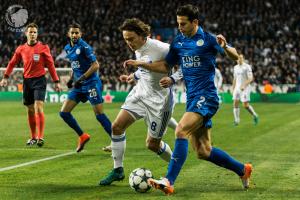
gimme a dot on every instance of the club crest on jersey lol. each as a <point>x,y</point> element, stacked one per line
<point>77,51</point>
<point>200,42</point>
<point>36,57</point>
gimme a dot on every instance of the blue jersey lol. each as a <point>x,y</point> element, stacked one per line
<point>197,59</point>
<point>81,57</point>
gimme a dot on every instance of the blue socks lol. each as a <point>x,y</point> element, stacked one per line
<point>69,119</point>
<point>178,158</point>
<point>105,122</point>
<point>222,159</point>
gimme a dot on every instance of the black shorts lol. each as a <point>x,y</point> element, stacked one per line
<point>34,89</point>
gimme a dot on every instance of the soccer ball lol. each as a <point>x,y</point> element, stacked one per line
<point>138,179</point>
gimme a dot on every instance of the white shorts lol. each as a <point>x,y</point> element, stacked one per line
<point>243,96</point>
<point>155,111</point>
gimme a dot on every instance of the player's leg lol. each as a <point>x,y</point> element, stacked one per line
<point>40,121</point>
<point>28,101</point>
<point>65,114</point>
<point>102,118</point>
<point>236,109</point>
<point>245,99</point>
<point>188,124</point>
<point>172,123</point>
<point>201,141</point>
<point>38,85</point>
<point>160,147</point>
<point>94,95</point>
<point>118,145</point>
<point>236,112</point>
<point>32,124</point>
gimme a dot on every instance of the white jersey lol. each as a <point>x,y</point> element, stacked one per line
<point>148,81</point>
<point>241,74</point>
<point>218,78</point>
<point>148,99</point>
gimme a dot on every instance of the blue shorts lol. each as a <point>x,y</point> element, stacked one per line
<point>205,106</point>
<point>91,92</point>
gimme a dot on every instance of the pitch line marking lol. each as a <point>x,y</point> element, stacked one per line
<point>35,161</point>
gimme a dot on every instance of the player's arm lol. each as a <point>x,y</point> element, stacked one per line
<point>50,65</point>
<point>229,51</point>
<point>166,82</point>
<point>249,78</point>
<point>70,81</point>
<point>158,66</point>
<point>12,63</point>
<point>93,68</point>
<point>220,79</point>
<point>233,83</point>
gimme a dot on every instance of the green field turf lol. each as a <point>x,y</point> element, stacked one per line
<point>273,147</point>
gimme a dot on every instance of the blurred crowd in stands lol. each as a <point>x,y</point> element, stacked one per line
<point>266,32</point>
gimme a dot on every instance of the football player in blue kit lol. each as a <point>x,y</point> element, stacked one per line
<point>195,52</point>
<point>86,86</point>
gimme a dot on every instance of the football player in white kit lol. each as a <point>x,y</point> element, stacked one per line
<point>242,77</point>
<point>146,100</point>
<point>218,82</point>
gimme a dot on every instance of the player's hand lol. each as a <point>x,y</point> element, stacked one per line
<point>57,87</point>
<point>242,88</point>
<point>79,82</point>
<point>70,83</point>
<point>3,82</point>
<point>165,82</point>
<point>133,63</point>
<point>123,78</point>
<point>130,79</point>
<point>221,40</point>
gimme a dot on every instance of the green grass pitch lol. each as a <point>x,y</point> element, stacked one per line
<point>273,147</point>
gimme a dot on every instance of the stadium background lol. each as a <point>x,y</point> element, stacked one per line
<point>265,32</point>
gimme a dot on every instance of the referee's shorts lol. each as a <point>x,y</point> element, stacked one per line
<point>34,89</point>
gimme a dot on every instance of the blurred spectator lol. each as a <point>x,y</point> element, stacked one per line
<point>264,31</point>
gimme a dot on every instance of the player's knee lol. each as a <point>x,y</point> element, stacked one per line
<point>30,110</point>
<point>180,131</point>
<point>117,129</point>
<point>64,115</point>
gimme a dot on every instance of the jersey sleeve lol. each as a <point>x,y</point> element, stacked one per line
<point>15,60</point>
<point>177,75</point>
<point>172,57</point>
<point>49,63</point>
<point>219,78</point>
<point>137,74</point>
<point>249,72</point>
<point>88,51</point>
<point>215,44</point>
<point>234,72</point>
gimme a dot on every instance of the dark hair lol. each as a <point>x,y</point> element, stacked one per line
<point>74,25</point>
<point>190,11</point>
<point>137,26</point>
<point>31,25</point>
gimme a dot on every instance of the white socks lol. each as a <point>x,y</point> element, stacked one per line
<point>251,111</point>
<point>236,114</point>
<point>172,123</point>
<point>118,146</point>
<point>165,151</point>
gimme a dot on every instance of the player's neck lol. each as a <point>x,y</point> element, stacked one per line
<point>193,32</point>
<point>31,42</point>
